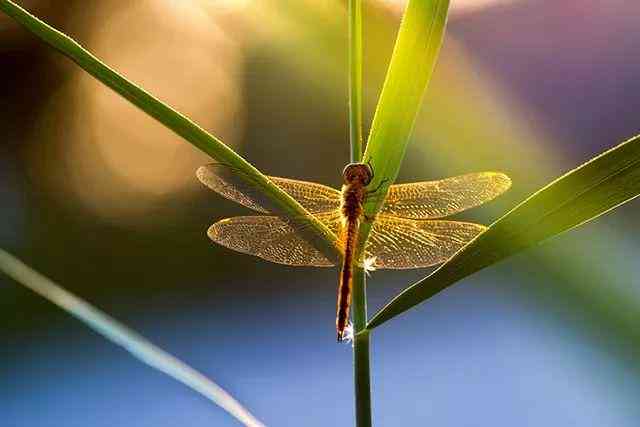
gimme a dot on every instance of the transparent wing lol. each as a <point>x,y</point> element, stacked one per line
<point>272,238</point>
<point>400,243</point>
<point>437,199</point>
<point>226,181</point>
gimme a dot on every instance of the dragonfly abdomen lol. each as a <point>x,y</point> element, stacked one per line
<point>346,275</point>
<point>353,195</point>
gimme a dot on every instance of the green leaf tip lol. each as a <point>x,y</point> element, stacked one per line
<point>581,195</point>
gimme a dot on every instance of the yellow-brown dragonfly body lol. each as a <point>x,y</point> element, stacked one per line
<point>408,232</point>
<point>356,177</point>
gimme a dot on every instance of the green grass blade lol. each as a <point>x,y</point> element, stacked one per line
<point>316,232</point>
<point>581,195</point>
<point>119,334</point>
<point>412,63</point>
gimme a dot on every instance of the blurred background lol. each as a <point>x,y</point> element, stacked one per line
<point>104,200</point>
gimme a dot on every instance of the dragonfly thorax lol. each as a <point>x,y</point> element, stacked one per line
<point>356,177</point>
<point>352,200</point>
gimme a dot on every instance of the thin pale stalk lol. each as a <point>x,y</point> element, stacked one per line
<point>361,372</point>
<point>313,230</point>
<point>137,345</point>
<point>355,79</point>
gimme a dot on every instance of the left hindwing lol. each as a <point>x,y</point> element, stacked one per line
<point>271,238</point>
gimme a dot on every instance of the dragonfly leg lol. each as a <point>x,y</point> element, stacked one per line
<point>374,191</point>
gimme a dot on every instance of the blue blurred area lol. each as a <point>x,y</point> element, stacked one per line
<point>472,354</point>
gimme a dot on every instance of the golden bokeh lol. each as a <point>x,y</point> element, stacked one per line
<point>119,162</point>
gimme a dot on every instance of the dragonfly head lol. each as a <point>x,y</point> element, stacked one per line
<point>357,172</point>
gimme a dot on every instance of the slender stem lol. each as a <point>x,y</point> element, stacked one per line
<point>139,347</point>
<point>355,79</point>
<point>361,373</point>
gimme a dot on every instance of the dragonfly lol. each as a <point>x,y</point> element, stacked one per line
<point>408,232</point>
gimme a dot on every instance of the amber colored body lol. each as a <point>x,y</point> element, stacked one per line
<point>356,178</point>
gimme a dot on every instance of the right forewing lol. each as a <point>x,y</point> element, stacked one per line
<point>437,199</point>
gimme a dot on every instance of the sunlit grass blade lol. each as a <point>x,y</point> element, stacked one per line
<point>412,64</point>
<point>317,234</point>
<point>139,347</point>
<point>581,195</point>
